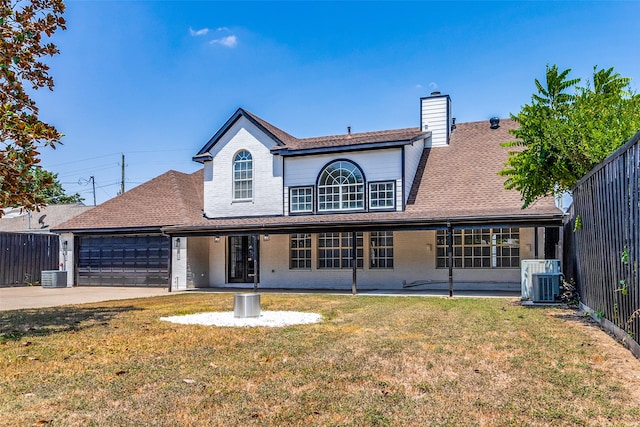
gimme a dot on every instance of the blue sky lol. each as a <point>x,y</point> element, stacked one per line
<point>155,80</point>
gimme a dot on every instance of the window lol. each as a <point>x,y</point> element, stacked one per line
<point>480,248</point>
<point>382,195</point>
<point>243,176</point>
<point>381,250</point>
<point>340,187</point>
<point>335,250</point>
<point>300,251</point>
<point>301,199</point>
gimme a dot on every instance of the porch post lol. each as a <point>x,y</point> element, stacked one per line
<point>354,264</point>
<point>535,243</point>
<point>254,241</point>
<point>450,256</point>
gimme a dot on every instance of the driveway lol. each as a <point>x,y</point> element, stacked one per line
<point>37,296</point>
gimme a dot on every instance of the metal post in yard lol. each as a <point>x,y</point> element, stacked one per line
<point>450,256</point>
<point>354,263</point>
<point>254,240</point>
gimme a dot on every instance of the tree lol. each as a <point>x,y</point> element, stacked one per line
<point>53,194</point>
<point>568,129</point>
<point>26,27</point>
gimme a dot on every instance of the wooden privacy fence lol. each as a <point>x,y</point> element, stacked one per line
<point>602,239</point>
<point>23,256</point>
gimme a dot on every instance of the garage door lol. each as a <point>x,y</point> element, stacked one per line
<point>123,261</point>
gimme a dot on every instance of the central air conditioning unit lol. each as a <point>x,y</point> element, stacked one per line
<point>53,279</point>
<point>529,267</point>
<point>546,287</point>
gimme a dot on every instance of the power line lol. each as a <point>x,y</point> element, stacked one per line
<point>126,152</point>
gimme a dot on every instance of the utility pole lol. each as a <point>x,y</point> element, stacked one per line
<point>122,182</point>
<point>93,182</point>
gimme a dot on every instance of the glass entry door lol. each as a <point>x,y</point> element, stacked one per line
<point>241,255</point>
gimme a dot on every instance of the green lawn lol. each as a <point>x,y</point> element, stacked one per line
<point>371,361</point>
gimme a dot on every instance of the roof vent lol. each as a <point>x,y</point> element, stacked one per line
<point>435,93</point>
<point>453,124</point>
<point>348,130</point>
<point>495,122</point>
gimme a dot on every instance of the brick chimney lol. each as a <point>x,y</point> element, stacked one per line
<point>435,116</point>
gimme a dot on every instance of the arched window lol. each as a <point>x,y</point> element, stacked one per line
<point>340,187</point>
<point>243,175</point>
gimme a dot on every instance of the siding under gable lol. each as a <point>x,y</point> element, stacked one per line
<point>377,165</point>
<point>412,154</point>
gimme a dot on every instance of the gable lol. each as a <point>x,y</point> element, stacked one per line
<point>276,135</point>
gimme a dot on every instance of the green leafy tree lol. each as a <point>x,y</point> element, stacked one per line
<point>567,129</point>
<point>53,194</point>
<point>26,27</point>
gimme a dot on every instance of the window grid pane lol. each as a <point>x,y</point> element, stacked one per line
<point>301,199</point>
<point>382,195</point>
<point>381,251</point>
<point>340,187</point>
<point>334,250</point>
<point>300,251</point>
<point>243,175</point>
<point>480,248</point>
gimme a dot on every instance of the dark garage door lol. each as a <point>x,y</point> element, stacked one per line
<point>123,261</point>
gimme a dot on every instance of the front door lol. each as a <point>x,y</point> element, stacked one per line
<point>241,254</point>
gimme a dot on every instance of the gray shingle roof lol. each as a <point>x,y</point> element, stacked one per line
<point>173,198</point>
<point>456,183</point>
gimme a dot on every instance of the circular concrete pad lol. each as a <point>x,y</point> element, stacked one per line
<point>267,318</point>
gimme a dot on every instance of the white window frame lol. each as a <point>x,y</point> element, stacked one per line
<point>294,200</point>
<point>378,191</point>
<point>346,192</point>
<point>242,172</point>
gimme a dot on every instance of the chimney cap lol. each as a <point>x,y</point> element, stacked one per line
<point>435,93</point>
<point>494,122</point>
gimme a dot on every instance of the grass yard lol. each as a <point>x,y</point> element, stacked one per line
<point>372,361</point>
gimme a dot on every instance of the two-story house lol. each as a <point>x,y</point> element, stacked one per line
<point>371,210</point>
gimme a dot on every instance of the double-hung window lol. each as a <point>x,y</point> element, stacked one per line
<point>381,250</point>
<point>300,251</point>
<point>243,176</point>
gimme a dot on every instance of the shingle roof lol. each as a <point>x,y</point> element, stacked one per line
<point>462,179</point>
<point>173,198</point>
<point>457,183</point>
<point>288,144</point>
<point>353,140</point>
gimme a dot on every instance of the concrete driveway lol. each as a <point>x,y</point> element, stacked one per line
<point>37,296</point>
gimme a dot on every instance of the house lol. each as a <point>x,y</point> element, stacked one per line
<point>27,246</point>
<point>369,210</point>
<point>17,220</point>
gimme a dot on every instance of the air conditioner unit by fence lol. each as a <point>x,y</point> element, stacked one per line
<point>53,279</point>
<point>546,287</point>
<point>529,267</point>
